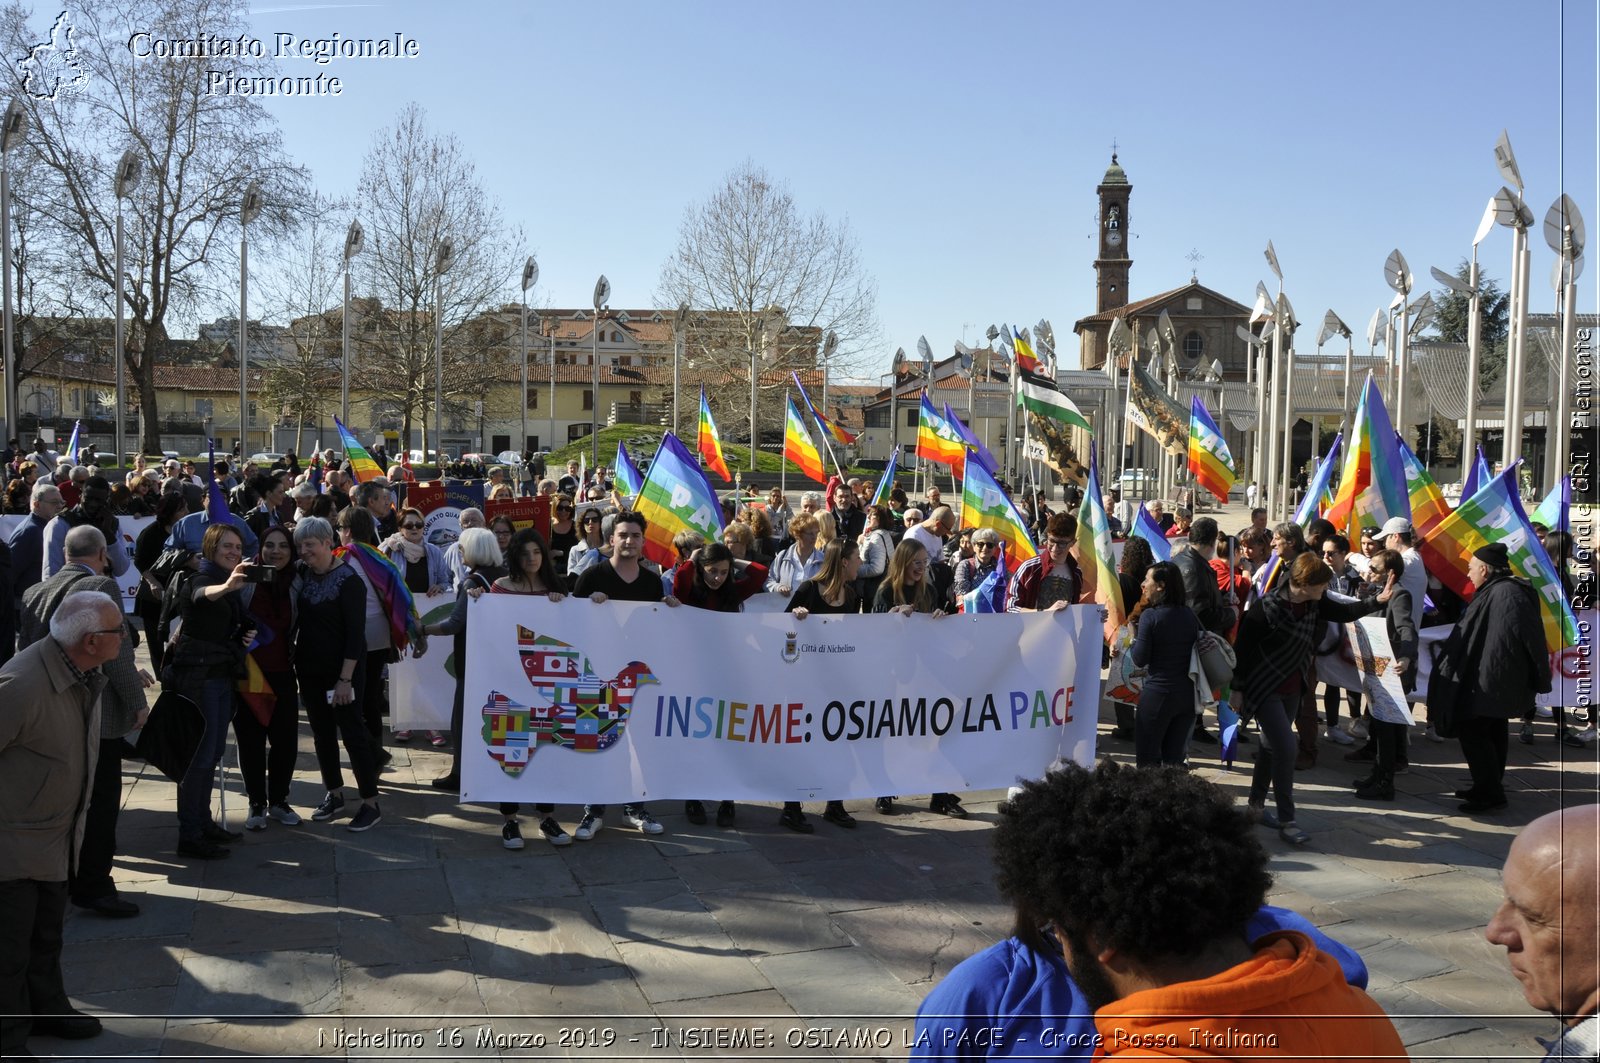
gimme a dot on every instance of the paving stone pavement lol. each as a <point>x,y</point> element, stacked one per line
<point>426,924</point>
<point>427,936</point>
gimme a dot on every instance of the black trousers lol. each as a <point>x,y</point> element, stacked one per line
<point>375,693</point>
<point>330,723</point>
<point>31,916</point>
<point>1484,742</point>
<point>1162,724</point>
<point>268,772</point>
<point>93,877</point>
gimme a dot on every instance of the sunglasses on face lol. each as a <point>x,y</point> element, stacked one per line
<point>411,526</point>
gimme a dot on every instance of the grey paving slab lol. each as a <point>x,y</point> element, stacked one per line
<point>558,937</point>
<point>417,937</point>
<point>843,981</point>
<point>726,870</point>
<point>1321,875</point>
<point>919,942</point>
<point>286,982</point>
<point>396,891</point>
<point>671,971</point>
<point>408,995</point>
<point>769,922</point>
<point>229,928</point>
<point>660,910</point>
<point>615,855</point>
<point>119,964</point>
<point>1404,962</point>
<point>596,991</point>
<point>507,877</point>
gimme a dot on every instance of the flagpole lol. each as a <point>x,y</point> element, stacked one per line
<point>783,463</point>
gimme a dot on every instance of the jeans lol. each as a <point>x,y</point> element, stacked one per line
<point>1162,724</point>
<point>217,699</point>
<point>267,774</point>
<point>330,723</point>
<point>1275,757</point>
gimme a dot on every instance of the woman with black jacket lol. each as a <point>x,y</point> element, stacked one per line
<point>1277,642</point>
<point>1164,645</point>
<point>146,549</point>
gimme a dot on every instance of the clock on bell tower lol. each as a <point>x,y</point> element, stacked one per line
<point>1112,262</point>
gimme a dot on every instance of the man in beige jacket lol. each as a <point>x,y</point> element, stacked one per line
<point>49,740</point>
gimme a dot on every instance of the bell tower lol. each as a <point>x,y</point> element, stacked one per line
<point>1111,263</point>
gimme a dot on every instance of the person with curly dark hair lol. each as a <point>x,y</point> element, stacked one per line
<point>1177,972</point>
<point>1136,557</point>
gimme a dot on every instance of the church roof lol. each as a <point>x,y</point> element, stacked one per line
<point>1114,173</point>
<point>1157,302</point>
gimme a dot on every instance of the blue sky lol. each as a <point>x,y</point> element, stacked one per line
<point>963,141</point>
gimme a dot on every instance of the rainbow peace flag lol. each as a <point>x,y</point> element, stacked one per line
<point>1554,511</point>
<point>1209,457</point>
<point>362,467</point>
<point>1428,505</point>
<point>880,494</point>
<point>75,442</point>
<point>937,441</point>
<point>989,596</point>
<point>390,586</point>
<point>1146,528</point>
<point>1494,515</point>
<point>1094,552</point>
<point>675,497</point>
<point>974,445</point>
<point>829,428</point>
<point>1317,490</point>
<point>256,692</point>
<point>1027,361</point>
<point>797,445</point>
<point>709,443</point>
<point>1372,485</point>
<point>984,505</point>
<point>629,478</point>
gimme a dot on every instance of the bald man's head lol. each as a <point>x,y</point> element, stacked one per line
<point>1549,922</point>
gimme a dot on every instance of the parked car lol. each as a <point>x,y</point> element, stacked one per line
<point>266,458</point>
<point>508,457</point>
<point>1137,483</point>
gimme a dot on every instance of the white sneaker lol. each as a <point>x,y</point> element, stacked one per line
<point>1544,712</point>
<point>644,821</point>
<point>1333,734</point>
<point>588,826</point>
<point>511,835</point>
<point>1434,736</point>
<point>257,819</point>
<point>1357,729</point>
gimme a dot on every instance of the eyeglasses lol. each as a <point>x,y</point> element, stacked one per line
<point>411,526</point>
<point>1063,543</point>
<point>110,631</point>
<point>984,546</point>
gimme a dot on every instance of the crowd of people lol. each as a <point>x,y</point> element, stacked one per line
<point>312,581</point>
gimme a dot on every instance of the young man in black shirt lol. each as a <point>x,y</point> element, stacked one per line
<point>624,579</point>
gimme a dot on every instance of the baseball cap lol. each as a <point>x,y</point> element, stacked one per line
<point>1396,526</point>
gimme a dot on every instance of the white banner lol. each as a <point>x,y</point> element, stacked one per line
<point>1374,658</point>
<point>421,691</point>
<point>130,526</point>
<point>577,702</point>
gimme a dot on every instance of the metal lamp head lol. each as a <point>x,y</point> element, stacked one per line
<point>602,292</point>
<point>1451,281</point>
<point>129,167</point>
<point>13,126</point>
<point>1250,338</point>
<point>991,333</point>
<point>530,273</point>
<point>444,255</point>
<point>250,205</point>
<point>830,343</point>
<point>680,319</point>
<point>1375,329</point>
<point>1510,211</point>
<point>355,238</point>
<point>1396,273</point>
<point>1563,227</point>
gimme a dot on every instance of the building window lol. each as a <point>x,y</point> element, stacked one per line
<point>912,415</point>
<point>533,397</point>
<point>635,398</point>
<point>1194,345</point>
<point>202,408</point>
<point>588,399</point>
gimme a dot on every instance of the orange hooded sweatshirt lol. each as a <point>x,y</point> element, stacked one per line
<point>1288,1001</point>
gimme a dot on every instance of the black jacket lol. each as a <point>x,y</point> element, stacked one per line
<point>1498,650</point>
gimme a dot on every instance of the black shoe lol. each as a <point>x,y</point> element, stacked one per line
<point>215,832</point>
<point>947,805</point>
<point>695,811</point>
<point>110,905</point>
<point>384,756</point>
<point>796,821</point>
<point>450,784</point>
<point>1379,789</point>
<point>1362,784</point>
<point>885,806</point>
<point>1570,739</point>
<point>1474,805</point>
<point>1468,794</point>
<point>204,850</point>
<point>1364,755</point>
<point>725,814</point>
<point>74,1027</point>
<point>1203,736</point>
<point>834,813</point>
<point>1122,734</point>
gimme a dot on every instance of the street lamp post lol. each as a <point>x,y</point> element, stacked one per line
<point>830,343</point>
<point>129,167</point>
<point>1511,212</point>
<point>354,238</point>
<point>550,445</point>
<point>680,326</point>
<point>530,277</point>
<point>249,209</point>
<point>602,295</point>
<point>1563,231</point>
<point>444,254</point>
<point>1469,435</point>
<point>12,129</point>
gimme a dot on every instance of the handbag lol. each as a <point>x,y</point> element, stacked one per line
<point>1216,658</point>
<point>1444,695</point>
<point>171,734</point>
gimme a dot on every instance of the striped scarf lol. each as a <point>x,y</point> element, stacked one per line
<point>405,626</point>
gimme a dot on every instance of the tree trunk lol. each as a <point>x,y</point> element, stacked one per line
<point>144,375</point>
